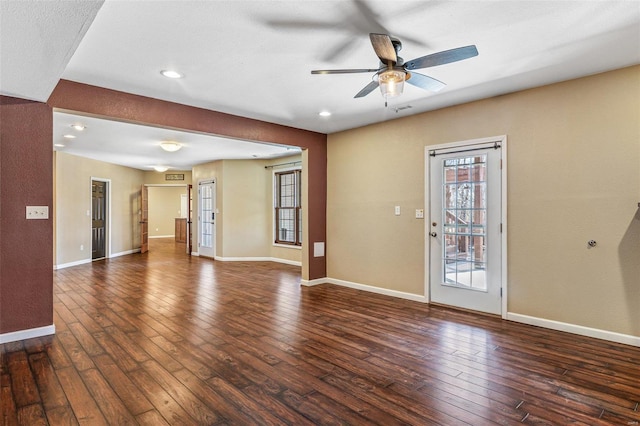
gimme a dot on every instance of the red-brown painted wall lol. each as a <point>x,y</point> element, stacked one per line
<point>111,104</point>
<point>26,246</point>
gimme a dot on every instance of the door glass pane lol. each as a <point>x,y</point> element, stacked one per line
<point>206,212</point>
<point>464,215</point>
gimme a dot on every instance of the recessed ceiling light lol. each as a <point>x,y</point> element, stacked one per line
<point>58,145</point>
<point>324,114</point>
<point>170,146</point>
<point>160,168</point>
<point>171,74</point>
<point>69,136</point>
<point>79,127</point>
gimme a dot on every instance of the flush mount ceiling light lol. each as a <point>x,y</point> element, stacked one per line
<point>69,136</point>
<point>324,114</point>
<point>58,145</point>
<point>78,127</point>
<point>160,168</point>
<point>171,74</point>
<point>170,146</point>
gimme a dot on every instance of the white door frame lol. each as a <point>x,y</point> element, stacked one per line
<point>454,146</point>
<point>107,249</point>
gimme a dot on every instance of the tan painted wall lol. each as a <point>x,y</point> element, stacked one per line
<point>164,207</point>
<point>573,175</point>
<point>246,226</point>
<point>73,199</point>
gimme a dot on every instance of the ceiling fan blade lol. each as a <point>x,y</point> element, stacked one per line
<point>383,48</point>
<point>367,89</point>
<point>425,82</point>
<point>441,58</point>
<point>347,71</point>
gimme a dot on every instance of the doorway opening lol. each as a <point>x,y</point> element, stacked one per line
<point>168,214</point>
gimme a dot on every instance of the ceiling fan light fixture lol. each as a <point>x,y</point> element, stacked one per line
<point>391,83</point>
<point>160,168</point>
<point>170,146</point>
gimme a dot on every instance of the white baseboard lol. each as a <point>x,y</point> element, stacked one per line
<point>31,333</point>
<point>195,253</point>
<point>84,261</point>
<point>70,264</point>
<point>311,283</point>
<point>370,288</point>
<point>162,236</point>
<point>576,329</point>
<point>124,253</point>
<point>286,261</point>
<point>257,259</point>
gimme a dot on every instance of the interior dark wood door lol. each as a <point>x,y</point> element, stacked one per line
<point>98,219</point>
<point>144,219</point>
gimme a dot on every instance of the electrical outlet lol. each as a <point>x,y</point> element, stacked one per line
<point>37,212</point>
<point>397,210</point>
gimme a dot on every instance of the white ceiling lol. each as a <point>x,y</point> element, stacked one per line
<point>253,58</point>
<point>137,146</point>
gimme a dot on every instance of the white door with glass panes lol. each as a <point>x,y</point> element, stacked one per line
<point>207,218</point>
<point>465,221</point>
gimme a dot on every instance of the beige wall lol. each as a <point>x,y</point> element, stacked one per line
<point>244,199</point>
<point>573,175</point>
<point>73,200</point>
<point>245,230</point>
<point>164,208</point>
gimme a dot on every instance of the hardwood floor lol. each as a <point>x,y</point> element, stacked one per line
<point>162,338</point>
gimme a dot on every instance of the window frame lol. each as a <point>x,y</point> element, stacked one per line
<point>297,208</point>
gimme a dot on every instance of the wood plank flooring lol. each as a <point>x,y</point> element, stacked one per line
<point>167,339</point>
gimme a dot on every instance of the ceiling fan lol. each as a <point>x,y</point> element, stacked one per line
<point>393,71</point>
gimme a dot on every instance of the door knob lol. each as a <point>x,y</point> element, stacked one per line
<point>433,234</point>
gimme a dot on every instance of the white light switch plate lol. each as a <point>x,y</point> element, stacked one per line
<point>419,213</point>
<point>37,212</point>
